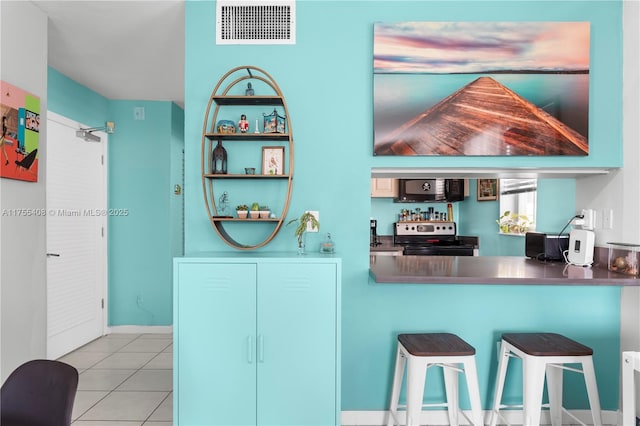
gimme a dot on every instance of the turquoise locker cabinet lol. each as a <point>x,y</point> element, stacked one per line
<point>257,341</point>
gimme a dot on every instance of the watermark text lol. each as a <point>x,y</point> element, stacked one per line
<point>27,212</point>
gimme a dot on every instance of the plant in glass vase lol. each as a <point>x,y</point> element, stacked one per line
<point>305,220</point>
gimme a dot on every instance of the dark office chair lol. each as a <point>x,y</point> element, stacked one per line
<point>39,393</point>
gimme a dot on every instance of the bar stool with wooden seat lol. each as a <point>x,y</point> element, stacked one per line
<point>426,350</point>
<point>545,353</point>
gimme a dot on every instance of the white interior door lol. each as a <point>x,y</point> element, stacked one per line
<point>76,185</point>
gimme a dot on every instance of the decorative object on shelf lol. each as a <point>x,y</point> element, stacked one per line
<point>226,127</point>
<point>219,160</point>
<point>513,223</point>
<point>264,212</point>
<point>273,160</point>
<point>242,210</point>
<point>307,219</point>
<point>243,124</point>
<point>250,170</point>
<point>249,90</point>
<point>255,211</point>
<point>274,123</point>
<point>257,130</point>
<point>327,246</point>
<point>223,202</point>
<point>488,189</point>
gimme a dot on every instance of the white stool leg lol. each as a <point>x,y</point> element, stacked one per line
<point>533,382</point>
<point>554,387</point>
<point>416,377</point>
<point>397,386</point>
<point>628,388</point>
<point>503,362</point>
<point>592,389</point>
<point>452,392</point>
<point>471,375</point>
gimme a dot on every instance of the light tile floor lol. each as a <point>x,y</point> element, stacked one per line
<point>125,380</point>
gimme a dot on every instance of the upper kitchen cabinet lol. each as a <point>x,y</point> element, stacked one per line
<point>384,187</point>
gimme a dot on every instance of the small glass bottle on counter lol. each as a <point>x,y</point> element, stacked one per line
<point>327,246</point>
<point>450,212</point>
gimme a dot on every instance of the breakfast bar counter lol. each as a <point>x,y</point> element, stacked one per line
<point>500,270</point>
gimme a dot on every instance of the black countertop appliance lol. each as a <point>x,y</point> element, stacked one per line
<point>373,236</point>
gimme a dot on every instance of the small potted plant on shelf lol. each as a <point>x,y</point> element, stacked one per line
<point>255,211</point>
<point>264,212</point>
<point>242,211</point>
<point>303,221</point>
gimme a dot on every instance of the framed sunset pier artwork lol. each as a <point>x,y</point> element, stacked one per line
<point>481,88</point>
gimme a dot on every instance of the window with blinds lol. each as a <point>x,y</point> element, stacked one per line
<point>519,197</point>
<point>255,22</point>
<point>517,186</point>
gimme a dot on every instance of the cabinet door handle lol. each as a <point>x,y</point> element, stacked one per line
<point>260,348</point>
<point>250,349</point>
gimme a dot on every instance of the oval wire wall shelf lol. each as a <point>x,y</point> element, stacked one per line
<point>220,98</point>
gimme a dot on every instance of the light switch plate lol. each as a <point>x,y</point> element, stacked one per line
<point>316,214</point>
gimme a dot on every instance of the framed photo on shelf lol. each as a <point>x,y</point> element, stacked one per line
<point>488,189</point>
<point>272,160</point>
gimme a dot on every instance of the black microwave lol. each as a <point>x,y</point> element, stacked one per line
<point>430,190</point>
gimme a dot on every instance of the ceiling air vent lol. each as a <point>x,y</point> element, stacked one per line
<point>255,22</point>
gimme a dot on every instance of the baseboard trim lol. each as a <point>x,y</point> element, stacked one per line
<point>379,418</point>
<point>140,329</point>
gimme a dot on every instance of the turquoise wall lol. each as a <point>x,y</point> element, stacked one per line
<point>139,245</point>
<point>144,161</point>
<point>176,202</point>
<point>75,101</point>
<point>326,78</point>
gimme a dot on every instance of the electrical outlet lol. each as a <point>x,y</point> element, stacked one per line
<point>317,216</point>
<point>589,219</point>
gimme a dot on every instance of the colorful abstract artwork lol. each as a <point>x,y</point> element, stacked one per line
<point>481,88</point>
<point>20,133</point>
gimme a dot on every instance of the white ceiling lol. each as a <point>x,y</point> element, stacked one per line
<point>120,49</point>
